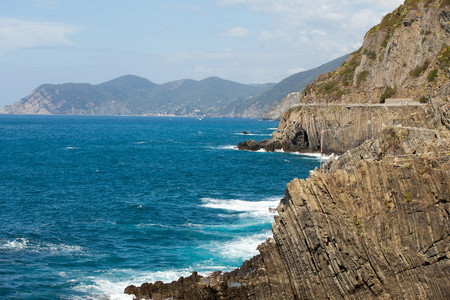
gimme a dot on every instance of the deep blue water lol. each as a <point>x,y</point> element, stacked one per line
<point>89,205</point>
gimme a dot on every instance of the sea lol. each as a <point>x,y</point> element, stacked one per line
<point>92,204</point>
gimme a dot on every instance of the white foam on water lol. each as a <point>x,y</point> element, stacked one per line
<point>71,148</point>
<point>101,288</point>
<point>22,244</point>
<point>17,244</point>
<point>147,225</point>
<point>111,284</point>
<point>260,150</point>
<point>253,134</point>
<point>311,155</point>
<point>261,211</point>
<point>250,208</point>
<point>318,156</point>
<point>226,147</point>
<point>242,247</point>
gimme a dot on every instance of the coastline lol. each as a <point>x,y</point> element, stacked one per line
<point>333,235</point>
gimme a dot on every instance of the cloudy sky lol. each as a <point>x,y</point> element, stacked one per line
<point>248,41</point>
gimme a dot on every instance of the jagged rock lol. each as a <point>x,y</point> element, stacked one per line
<point>344,127</point>
<point>395,59</point>
<point>367,225</point>
<point>250,145</point>
<point>373,223</point>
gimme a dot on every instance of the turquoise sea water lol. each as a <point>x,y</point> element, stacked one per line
<point>89,205</point>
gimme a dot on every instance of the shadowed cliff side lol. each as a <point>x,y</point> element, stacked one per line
<point>337,127</point>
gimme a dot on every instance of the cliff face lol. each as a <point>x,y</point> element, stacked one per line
<point>372,224</point>
<point>406,55</point>
<point>338,127</point>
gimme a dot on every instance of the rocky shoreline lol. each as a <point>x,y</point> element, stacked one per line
<point>334,128</point>
<point>375,222</point>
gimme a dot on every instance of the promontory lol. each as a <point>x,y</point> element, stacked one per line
<point>373,221</point>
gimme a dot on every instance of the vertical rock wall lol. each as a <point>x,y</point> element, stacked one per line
<point>373,224</point>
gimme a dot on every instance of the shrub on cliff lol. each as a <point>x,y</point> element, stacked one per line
<point>417,71</point>
<point>361,77</point>
<point>432,75</point>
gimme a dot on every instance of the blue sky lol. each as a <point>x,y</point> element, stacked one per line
<point>248,41</point>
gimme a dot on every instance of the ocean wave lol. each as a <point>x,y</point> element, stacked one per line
<point>110,284</point>
<point>310,155</point>
<point>318,156</point>
<point>226,147</point>
<point>253,134</point>
<point>23,244</point>
<point>242,248</point>
<point>17,244</point>
<point>254,209</point>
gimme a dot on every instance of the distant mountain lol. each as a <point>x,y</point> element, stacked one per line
<point>256,107</point>
<point>133,95</point>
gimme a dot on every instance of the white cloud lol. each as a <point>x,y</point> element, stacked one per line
<point>333,27</point>
<point>237,32</point>
<point>364,18</point>
<point>15,33</point>
<point>319,32</point>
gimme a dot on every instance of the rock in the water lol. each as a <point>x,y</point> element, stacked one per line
<point>249,145</point>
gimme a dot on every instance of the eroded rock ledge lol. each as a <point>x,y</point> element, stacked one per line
<point>373,224</point>
<point>344,127</point>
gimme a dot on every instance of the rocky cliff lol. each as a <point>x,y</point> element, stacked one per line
<point>374,222</point>
<point>335,128</point>
<point>406,56</point>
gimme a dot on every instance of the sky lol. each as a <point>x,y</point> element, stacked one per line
<point>247,41</point>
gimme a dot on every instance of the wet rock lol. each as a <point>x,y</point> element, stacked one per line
<point>249,145</point>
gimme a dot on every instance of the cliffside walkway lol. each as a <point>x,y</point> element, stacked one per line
<point>349,105</point>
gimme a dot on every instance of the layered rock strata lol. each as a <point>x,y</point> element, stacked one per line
<point>407,55</point>
<point>373,224</point>
<point>335,128</point>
